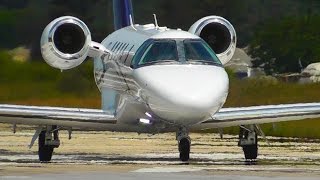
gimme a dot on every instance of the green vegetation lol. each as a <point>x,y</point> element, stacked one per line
<point>37,83</point>
<point>247,16</point>
<point>285,45</point>
<point>266,91</point>
<point>304,129</point>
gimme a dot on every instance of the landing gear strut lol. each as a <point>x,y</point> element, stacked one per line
<point>248,140</point>
<point>48,140</point>
<point>184,142</point>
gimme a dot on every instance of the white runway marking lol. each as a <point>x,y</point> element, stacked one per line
<point>15,177</point>
<point>227,168</point>
<point>167,170</point>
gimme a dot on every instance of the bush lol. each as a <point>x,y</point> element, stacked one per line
<point>79,81</point>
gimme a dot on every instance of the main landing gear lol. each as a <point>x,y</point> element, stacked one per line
<point>48,140</point>
<point>184,143</point>
<point>248,140</point>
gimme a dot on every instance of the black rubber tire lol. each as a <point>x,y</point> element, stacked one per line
<point>44,152</point>
<point>184,149</point>
<point>250,152</point>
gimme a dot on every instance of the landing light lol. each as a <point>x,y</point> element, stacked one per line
<point>145,121</point>
<point>148,114</point>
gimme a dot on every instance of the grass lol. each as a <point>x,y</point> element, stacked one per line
<point>36,83</point>
<point>300,129</point>
<point>252,92</point>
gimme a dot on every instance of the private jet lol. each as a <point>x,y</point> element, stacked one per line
<point>152,80</point>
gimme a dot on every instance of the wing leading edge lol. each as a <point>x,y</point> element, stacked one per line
<point>67,117</point>
<point>228,117</point>
<point>95,119</point>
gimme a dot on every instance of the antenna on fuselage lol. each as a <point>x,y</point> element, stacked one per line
<point>131,22</point>
<point>155,21</point>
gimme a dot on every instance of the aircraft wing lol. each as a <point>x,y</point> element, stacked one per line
<point>228,117</point>
<point>66,117</point>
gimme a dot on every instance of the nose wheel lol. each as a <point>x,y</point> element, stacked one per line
<point>184,143</point>
<point>184,149</point>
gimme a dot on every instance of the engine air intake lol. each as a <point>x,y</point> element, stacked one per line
<point>65,42</point>
<point>69,38</point>
<point>217,36</point>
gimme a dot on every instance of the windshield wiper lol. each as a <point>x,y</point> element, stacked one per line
<point>203,61</point>
<point>160,62</point>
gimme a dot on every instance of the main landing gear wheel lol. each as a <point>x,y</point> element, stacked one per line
<point>45,152</point>
<point>47,141</point>
<point>250,152</point>
<point>248,140</point>
<point>184,143</point>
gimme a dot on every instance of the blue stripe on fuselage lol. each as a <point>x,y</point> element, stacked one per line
<point>122,9</point>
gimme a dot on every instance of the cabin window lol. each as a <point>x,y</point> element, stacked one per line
<point>199,51</point>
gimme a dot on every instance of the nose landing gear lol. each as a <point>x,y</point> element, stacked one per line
<point>184,143</point>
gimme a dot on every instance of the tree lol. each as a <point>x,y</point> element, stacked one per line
<point>30,22</point>
<point>22,21</point>
<point>281,46</point>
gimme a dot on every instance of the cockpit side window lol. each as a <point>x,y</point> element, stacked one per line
<point>156,51</point>
<point>199,51</point>
<point>160,51</point>
<point>140,52</point>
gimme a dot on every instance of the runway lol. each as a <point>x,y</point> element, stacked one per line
<point>130,156</point>
<point>154,176</point>
<point>218,159</point>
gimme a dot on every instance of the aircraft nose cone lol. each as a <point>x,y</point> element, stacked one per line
<point>182,92</point>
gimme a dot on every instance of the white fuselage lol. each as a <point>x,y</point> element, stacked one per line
<point>182,94</point>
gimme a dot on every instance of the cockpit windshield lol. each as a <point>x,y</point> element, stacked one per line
<point>160,51</point>
<point>199,51</point>
<point>175,51</point>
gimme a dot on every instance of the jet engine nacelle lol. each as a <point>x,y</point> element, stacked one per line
<point>65,42</point>
<point>219,34</point>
